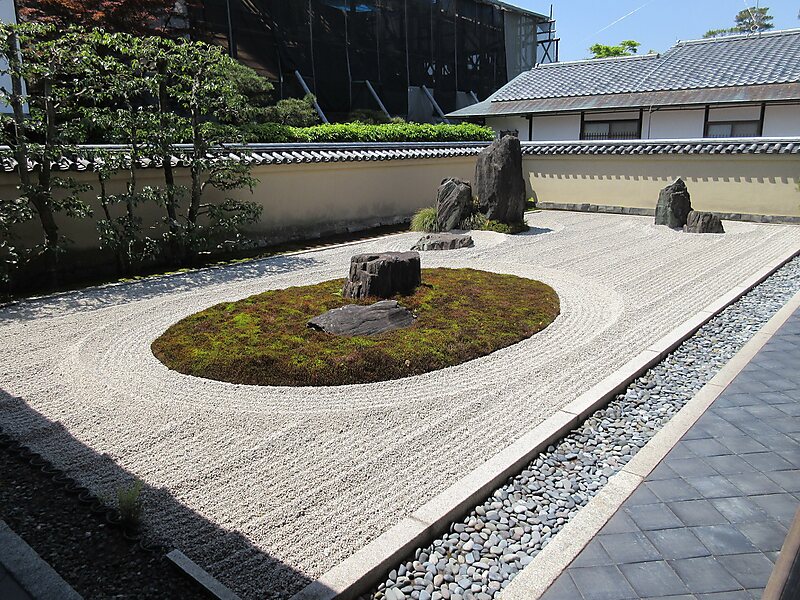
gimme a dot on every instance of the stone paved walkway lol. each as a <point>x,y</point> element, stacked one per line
<point>710,519</point>
<point>9,588</point>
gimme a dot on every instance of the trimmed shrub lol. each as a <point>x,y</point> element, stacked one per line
<point>362,132</point>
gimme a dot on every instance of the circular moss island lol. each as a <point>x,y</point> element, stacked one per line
<point>462,314</point>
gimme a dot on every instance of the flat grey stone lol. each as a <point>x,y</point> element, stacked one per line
<point>697,512</point>
<point>704,575</point>
<point>723,539</point>
<point>354,319</point>
<point>751,570</point>
<point>767,536</point>
<point>653,516</point>
<point>602,583</point>
<point>31,573</point>
<point>629,547</point>
<point>651,578</point>
<point>562,588</point>
<point>443,241</point>
<point>677,543</point>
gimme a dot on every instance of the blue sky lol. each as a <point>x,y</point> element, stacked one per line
<point>657,24</point>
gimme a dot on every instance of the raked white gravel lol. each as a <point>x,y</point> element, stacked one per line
<point>269,487</point>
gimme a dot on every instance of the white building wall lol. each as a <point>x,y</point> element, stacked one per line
<point>782,120</point>
<point>519,124</point>
<point>7,15</point>
<point>735,113</point>
<point>779,121</point>
<point>673,124</point>
<point>567,127</point>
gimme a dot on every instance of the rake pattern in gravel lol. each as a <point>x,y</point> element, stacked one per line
<point>301,478</point>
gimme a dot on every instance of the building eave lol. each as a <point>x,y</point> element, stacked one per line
<point>782,92</point>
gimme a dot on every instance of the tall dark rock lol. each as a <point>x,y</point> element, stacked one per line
<point>674,205</point>
<point>499,184</point>
<point>453,204</point>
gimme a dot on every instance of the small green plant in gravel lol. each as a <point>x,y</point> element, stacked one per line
<point>425,220</point>
<point>129,503</point>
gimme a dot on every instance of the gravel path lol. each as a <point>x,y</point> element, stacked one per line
<point>481,554</point>
<point>300,478</point>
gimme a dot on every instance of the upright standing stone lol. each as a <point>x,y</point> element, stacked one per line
<point>703,222</point>
<point>674,205</point>
<point>383,275</point>
<point>499,185</point>
<point>453,204</point>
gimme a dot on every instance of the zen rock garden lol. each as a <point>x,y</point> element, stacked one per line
<point>674,209</point>
<point>498,197</point>
<point>374,275</point>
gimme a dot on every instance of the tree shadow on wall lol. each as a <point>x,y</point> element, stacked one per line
<point>225,554</point>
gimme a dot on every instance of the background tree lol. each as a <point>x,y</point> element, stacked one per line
<point>140,17</point>
<point>46,72</point>
<point>625,48</point>
<point>750,20</point>
<point>294,112</point>
<point>195,95</point>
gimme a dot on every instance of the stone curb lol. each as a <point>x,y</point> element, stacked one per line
<point>195,572</point>
<point>39,580</point>
<point>540,574</point>
<point>356,574</point>
<point>650,212</point>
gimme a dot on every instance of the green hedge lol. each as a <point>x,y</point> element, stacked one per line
<point>360,132</point>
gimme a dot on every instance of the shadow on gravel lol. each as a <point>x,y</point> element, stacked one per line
<point>146,289</point>
<point>94,558</point>
<point>534,231</point>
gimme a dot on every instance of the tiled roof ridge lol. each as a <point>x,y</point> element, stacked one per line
<point>730,61</point>
<point>677,146</point>
<point>282,154</point>
<point>739,36</point>
<point>594,61</point>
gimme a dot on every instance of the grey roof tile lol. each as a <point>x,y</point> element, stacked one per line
<point>741,60</point>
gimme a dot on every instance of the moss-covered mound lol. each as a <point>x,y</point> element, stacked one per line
<point>263,340</point>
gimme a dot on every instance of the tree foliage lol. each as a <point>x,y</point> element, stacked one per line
<point>753,19</point>
<point>624,48</point>
<point>139,17</point>
<point>149,93</point>
<point>293,112</point>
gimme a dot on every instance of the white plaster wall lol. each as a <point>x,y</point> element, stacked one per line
<point>612,116</point>
<point>509,124</point>
<point>673,124</point>
<point>7,15</point>
<point>567,127</point>
<point>735,113</point>
<point>782,120</point>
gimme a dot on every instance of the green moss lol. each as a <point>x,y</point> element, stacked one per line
<point>462,314</point>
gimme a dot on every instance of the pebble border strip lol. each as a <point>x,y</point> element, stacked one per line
<point>482,553</point>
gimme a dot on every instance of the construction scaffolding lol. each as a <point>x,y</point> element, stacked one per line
<point>383,55</point>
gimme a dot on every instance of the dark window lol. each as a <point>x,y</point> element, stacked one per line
<point>725,129</point>
<point>611,130</point>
